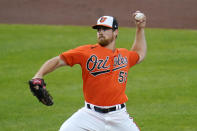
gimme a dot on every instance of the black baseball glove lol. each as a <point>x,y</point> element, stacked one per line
<point>38,88</point>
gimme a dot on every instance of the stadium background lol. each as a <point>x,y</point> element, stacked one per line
<point>160,13</point>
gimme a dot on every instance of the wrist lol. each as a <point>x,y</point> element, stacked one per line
<point>38,76</point>
<point>140,28</point>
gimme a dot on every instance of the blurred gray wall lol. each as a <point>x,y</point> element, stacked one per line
<point>160,13</point>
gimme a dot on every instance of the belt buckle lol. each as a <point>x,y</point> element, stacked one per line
<point>107,110</point>
<point>103,110</point>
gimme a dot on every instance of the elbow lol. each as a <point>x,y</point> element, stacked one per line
<point>142,55</point>
<point>141,58</point>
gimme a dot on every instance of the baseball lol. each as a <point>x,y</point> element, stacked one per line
<point>139,16</point>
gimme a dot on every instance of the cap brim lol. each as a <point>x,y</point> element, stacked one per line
<point>99,25</point>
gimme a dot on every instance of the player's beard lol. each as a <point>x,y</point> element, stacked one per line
<point>103,41</point>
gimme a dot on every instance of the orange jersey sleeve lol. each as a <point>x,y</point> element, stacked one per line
<point>73,56</point>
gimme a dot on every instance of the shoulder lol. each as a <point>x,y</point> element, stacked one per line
<point>85,47</point>
<point>126,50</point>
<point>123,50</point>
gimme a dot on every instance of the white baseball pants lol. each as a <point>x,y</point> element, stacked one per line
<point>89,120</point>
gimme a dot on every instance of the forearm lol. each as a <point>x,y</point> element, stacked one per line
<point>48,67</point>
<point>139,44</point>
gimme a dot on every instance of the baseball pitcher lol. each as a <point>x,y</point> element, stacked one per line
<point>104,72</point>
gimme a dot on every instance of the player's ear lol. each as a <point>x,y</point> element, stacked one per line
<point>116,32</point>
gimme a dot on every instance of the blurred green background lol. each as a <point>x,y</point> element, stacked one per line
<point>162,90</point>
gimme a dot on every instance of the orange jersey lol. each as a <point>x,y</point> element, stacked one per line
<point>104,72</point>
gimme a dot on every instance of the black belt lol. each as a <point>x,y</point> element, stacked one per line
<point>105,110</point>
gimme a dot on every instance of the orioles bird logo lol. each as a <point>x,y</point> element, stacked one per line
<point>103,19</point>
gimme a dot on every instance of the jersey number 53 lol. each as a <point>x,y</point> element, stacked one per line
<point>122,77</point>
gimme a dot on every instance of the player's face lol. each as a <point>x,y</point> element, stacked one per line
<point>105,35</point>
